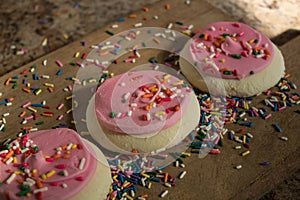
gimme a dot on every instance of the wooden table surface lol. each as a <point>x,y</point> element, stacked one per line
<point>213,177</point>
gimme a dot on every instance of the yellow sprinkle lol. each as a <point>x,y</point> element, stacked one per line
<point>76,55</point>
<point>45,41</point>
<point>68,111</point>
<point>146,175</point>
<point>18,172</point>
<point>69,97</point>
<point>178,83</point>
<point>251,41</point>
<point>167,76</point>
<point>244,138</point>
<point>186,154</point>
<point>245,153</point>
<point>75,79</point>
<point>28,194</point>
<point>44,177</point>
<point>149,185</point>
<point>129,197</point>
<point>31,109</point>
<point>74,146</point>
<point>49,84</point>
<point>65,36</point>
<point>223,60</point>
<point>38,92</point>
<point>160,113</point>
<point>50,173</point>
<point>187,32</point>
<point>126,184</point>
<point>15,160</point>
<point>92,80</point>
<point>221,135</point>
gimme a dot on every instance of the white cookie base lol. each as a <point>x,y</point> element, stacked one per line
<point>248,86</point>
<point>124,143</point>
<point>98,186</point>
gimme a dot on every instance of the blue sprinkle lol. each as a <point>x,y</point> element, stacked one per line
<point>121,19</point>
<point>277,127</point>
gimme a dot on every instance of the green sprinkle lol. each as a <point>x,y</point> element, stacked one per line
<point>143,44</point>
<point>195,151</point>
<point>251,72</point>
<point>73,63</point>
<point>237,56</point>
<point>255,52</point>
<point>61,173</point>
<point>112,115</point>
<point>36,148</point>
<point>201,35</point>
<point>226,34</point>
<point>221,143</point>
<point>15,85</point>
<point>109,32</point>
<point>180,160</point>
<point>179,23</point>
<point>39,123</point>
<point>24,191</point>
<point>227,72</point>
<point>256,41</point>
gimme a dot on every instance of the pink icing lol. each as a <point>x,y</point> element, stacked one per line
<point>211,46</point>
<point>47,142</point>
<point>111,94</point>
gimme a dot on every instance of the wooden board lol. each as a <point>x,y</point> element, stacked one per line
<point>213,177</point>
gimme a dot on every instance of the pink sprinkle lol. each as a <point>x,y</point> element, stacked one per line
<point>268,116</point>
<point>25,164</point>
<point>61,166</point>
<point>217,54</point>
<point>79,178</point>
<point>60,117</point>
<point>70,87</point>
<point>245,54</point>
<point>29,117</point>
<point>26,104</point>
<point>282,108</point>
<point>166,99</point>
<point>122,115</point>
<point>236,25</point>
<point>49,159</point>
<point>60,106</point>
<point>168,64</point>
<point>255,113</point>
<point>241,33</point>
<point>59,63</point>
<point>54,184</point>
<point>184,27</point>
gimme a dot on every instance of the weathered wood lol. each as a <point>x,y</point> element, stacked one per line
<point>213,177</point>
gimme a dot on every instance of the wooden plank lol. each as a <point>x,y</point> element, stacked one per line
<point>213,177</point>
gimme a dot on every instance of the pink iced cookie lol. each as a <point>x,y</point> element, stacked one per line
<point>141,102</point>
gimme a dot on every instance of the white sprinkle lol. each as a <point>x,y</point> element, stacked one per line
<point>64,185</point>
<point>168,185</point>
<point>182,175</point>
<point>148,116</point>
<point>187,2</point>
<point>249,135</point>
<point>66,173</point>
<point>133,104</point>
<point>190,27</point>
<point>138,24</point>
<point>212,28</point>
<point>43,189</point>
<point>5,114</point>
<point>238,167</point>
<point>11,178</point>
<point>237,147</point>
<point>69,146</point>
<point>9,160</point>
<point>1,127</point>
<point>126,96</point>
<point>44,62</point>
<point>119,115</point>
<point>129,113</point>
<point>115,26</point>
<point>170,26</point>
<point>8,104</point>
<point>182,165</point>
<point>176,163</point>
<point>82,163</point>
<point>164,193</point>
<point>284,138</point>
<point>155,17</point>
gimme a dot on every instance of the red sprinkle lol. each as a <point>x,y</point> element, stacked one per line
<point>61,166</point>
<point>79,178</point>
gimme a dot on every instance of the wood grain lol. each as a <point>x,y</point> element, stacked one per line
<point>213,177</point>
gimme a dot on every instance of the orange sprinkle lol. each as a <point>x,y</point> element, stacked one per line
<point>22,114</point>
<point>66,156</point>
<point>20,181</point>
<point>50,89</point>
<point>166,177</point>
<point>26,90</point>
<point>132,16</point>
<point>287,76</point>
<point>135,151</point>
<point>55,156</point>
<point>39,183</point>
<point>144,196</point>
<point>47,115</point>
<point>27,127</point>
<point>147,107</point>
<point>205,36</point>
<point>7,81</point>
<point>145,9</point>
<point>167,7</point>
<point>148,95</point>
<point>152,87</point>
